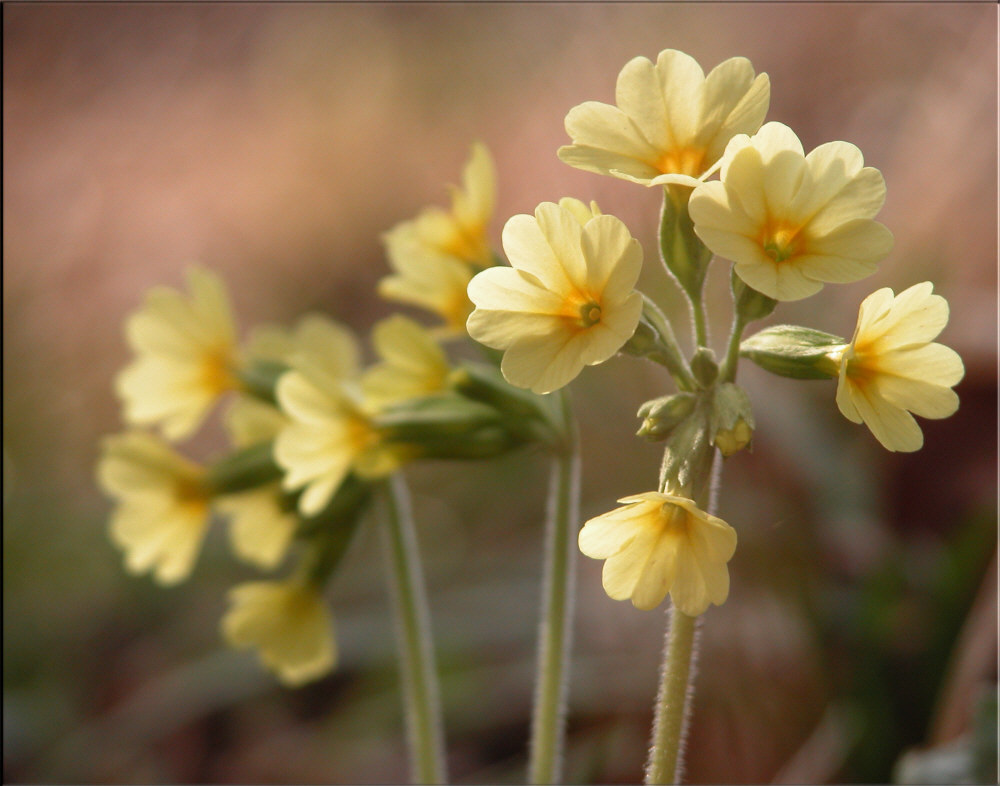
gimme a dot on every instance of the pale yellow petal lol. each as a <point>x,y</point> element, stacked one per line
<point>658,574</point>
<point>861,239</point>
<point>605,127</point>
<point>895,428</point>
<point>681,80</point>
<point>746,116</point>
<point>542,363</point>
<point>639,94</point>
<point>614,258</point>
<point>564,236</point>
<point>780,281</point>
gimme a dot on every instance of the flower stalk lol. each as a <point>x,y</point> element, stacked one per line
<point>421,696</point>
<point>548,720</point>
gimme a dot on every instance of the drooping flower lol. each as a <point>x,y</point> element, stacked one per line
<point>289,625</point>
<point>261,525</point>
<point>413,364</point>
<point>671,123</point>
<point>892,367</point>
<point>186,353</point>
<point>659,544</point>
<point>163,506</point>
<point>566,302</point>
<point>791,222</point>
<point>434,255</point>
<point>329,433</point>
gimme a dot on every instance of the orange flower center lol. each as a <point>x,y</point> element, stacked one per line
<point>682,161</point>
<point>216,372</point>
<point>781,240</point>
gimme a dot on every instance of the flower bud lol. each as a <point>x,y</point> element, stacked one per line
<point>704,367</point>
<point>731,422</point>
<point>661,415</point>
<point>793,351</point>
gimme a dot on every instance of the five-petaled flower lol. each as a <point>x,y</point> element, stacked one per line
<point>566,301</point>
<point>892,368</point>
<point>186,355</point>
<point>434,255</point>
<point>671,123</point>
<point>329,433</point>
<point>289,625</point>
<point>163,504</point>
<point>791,221</point>
<point>658,544</point>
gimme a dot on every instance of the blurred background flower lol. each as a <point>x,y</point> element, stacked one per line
<point>275,144</point>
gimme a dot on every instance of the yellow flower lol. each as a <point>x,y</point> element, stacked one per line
<point>791,221</point>
<point>261,527</point>
<point>329,433</point>
<point>671,123</point>
<point>891,368</point>
<point>566,302</point>
<point>288,623</point>
<point>413,365</point>
<point>186,352</point>
<point>659,544</point>
<point>163,507</point>
<point>434,255</point>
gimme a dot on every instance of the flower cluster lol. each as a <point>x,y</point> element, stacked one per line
<point>312,431</point>
<point>789,222</point>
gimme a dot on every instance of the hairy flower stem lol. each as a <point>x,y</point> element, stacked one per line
<point>673,701</point>
<point>547,726</point>
<point>425,731</point>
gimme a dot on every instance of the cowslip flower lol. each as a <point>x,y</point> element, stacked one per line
<point>671,123</point>
<point>261,525</point>
<point>892,367</point>
<point>329,433</point>
<point>288,624</point>
<point>163,506</point>
<point>413,364</point>
<point>791,222</point>
<point>566,302</point>
<point>659,544</point>
<point>185,346</point>
<point>434,255</point>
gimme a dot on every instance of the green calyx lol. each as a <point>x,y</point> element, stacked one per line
<point>796,352</point>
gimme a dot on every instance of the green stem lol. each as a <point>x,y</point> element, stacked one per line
<point>547,727</point>
<point>666,756</point>
<point>727,373</point>
<point>672,358</point>
<point>700,328</point>
<point>671,702</point>
<point>420,686</point>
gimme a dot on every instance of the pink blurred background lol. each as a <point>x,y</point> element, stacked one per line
<point>275,143</point>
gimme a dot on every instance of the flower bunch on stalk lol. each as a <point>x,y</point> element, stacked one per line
<point>315,433</point>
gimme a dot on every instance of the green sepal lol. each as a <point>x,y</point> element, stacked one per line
<point>688,452</point>
<point>793,351</point>
<point>260,379</point>
<point>522,411</point>
<point>243,469</point>
<point>731,422</point>
<point>447,426</point>
<point>684,255</point>
<point>750,304</point>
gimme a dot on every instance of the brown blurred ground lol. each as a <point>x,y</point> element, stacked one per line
<point>275,143</point>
